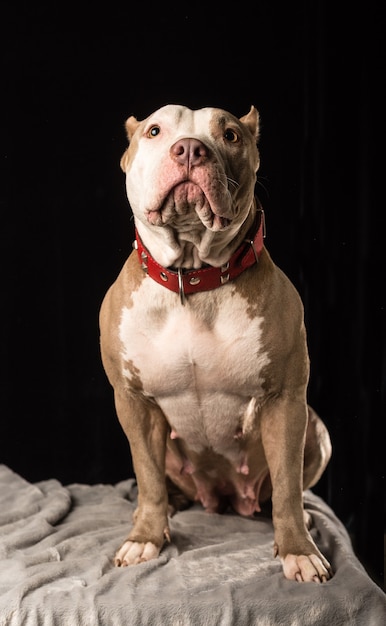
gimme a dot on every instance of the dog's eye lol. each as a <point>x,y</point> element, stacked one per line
<point>153,131</point>
<point>231,135</point>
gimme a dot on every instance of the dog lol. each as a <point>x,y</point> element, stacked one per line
<point>203,341</point>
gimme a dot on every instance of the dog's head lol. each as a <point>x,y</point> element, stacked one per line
<point>190,180</point>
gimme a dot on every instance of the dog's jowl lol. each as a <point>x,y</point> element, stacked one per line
<point>203,341</point>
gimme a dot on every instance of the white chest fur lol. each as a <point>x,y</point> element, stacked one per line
<point>202,362</point>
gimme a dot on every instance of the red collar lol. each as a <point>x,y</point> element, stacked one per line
<point>185,282</point>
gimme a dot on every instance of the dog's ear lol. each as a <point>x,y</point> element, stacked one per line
<point>252,120</point>
<point>131,126</point>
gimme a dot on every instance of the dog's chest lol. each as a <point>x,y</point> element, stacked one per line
<point>201,362</point>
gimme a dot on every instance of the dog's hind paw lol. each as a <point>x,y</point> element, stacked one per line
<point>133,552</point>
<point>306,568</point>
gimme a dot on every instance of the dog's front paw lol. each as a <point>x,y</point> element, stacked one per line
<point>306,568</point>
<point>134,552</point>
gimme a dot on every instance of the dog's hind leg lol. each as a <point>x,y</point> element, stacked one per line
<point>317,450</point>
<point>178,501</point>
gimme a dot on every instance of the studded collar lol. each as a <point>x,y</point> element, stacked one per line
<point>185,282</point>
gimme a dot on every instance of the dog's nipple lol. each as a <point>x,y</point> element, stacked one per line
<point>173,434</point>
<point>187,467</point>
<point>238,434</point>
<point>244,469</point>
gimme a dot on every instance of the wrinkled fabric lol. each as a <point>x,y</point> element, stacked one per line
<point>57,545</point>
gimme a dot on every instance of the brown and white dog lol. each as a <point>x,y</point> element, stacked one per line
<point>204,344</point>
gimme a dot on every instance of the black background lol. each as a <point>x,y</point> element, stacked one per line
<point>70,77</point>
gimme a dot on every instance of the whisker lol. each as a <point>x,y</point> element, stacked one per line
<point>233,182</point>
<point>258,182</point>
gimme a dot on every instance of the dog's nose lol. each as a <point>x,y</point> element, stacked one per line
<point>189,151</point>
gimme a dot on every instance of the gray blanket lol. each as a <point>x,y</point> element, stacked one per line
<point>57,544</point>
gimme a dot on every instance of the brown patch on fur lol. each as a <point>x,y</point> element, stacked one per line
<point>133,275</point>
<point>136,384</point>
<point>251,284</point>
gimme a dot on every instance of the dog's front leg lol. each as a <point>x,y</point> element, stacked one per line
<point>284,424</point>
<point>145,427</point>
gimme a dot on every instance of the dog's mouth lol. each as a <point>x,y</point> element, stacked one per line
<point>187,203</point>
